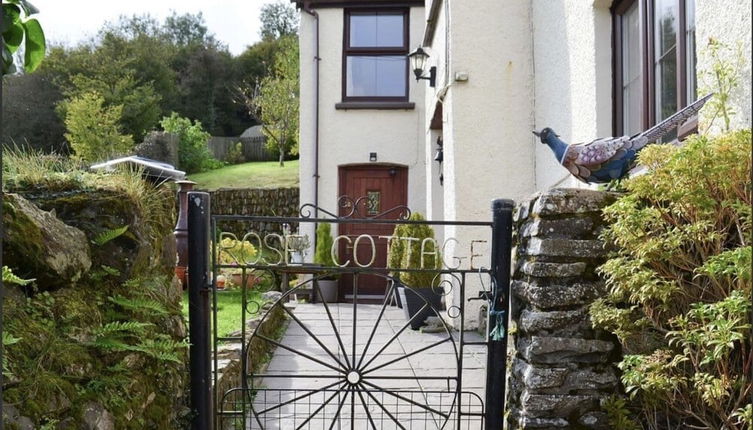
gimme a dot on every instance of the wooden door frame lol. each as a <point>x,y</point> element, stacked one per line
<point>343,170</point>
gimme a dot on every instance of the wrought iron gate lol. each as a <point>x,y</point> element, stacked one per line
<point>347,365</point>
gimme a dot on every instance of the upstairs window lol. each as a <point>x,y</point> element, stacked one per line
<point>375,66</point>
<point>654,59</point>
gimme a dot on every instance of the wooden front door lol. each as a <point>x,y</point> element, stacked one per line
<point>386,187</point>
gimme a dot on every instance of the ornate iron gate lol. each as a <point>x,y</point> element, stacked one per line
<point>347,365</point>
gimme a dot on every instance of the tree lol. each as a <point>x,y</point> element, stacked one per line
<point>187,29</point>
<point>274,101</point>
<point>93,131</point>
<point>29,118</point>
<point>193,153</point>
<point>278,20</point>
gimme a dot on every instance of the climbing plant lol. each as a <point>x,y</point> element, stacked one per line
<point>19,31</point>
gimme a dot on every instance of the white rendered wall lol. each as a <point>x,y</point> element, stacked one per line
<point>487,122</point>
<point>348,136</point>
<point>573,79</point>
<point>728,22</point>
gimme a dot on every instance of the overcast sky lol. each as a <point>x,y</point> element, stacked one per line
<point>234,22</point>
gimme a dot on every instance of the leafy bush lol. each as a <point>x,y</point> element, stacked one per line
<point>234,251</point>
<point>406,254</point>
<point>680,284</point>
<point>235,154</point>
<point>324,241</point>
<point>93,130</point>
<point>193,153</point>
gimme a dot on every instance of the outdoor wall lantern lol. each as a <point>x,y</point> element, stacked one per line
<point>439,157</point>
<point>418,63</point>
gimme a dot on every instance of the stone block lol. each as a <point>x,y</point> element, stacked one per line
<point>574,248</point>
<point>561,201</point>
<point>553,350</point>
<point>548,296</point>
<point>526,423</point>
<point>560,322</point>
<point>553,270</point>
<point>576,228</point>
<point>39,245</point>
<point>523,209</point>
<point>536,378</point>
<point>557,405</point>
<point>595,420</point>
<point>592,379</point>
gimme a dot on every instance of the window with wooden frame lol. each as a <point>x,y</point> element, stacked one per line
<point>375,66</point>
<point>654,63</point>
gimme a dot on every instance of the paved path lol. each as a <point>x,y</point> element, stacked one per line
<point>386,379</point>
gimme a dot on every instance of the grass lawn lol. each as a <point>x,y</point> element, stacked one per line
<point>261,174</point>
<point>228,309</point>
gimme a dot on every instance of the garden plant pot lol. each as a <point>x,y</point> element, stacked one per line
<point>412,304</point>
<point>327,291</point>
<point>238,280</point>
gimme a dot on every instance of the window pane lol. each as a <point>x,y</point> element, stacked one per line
<point>665,59</point>
<point>690,50</point>
<point>383,76</point>
<point>665,26</point>
<point>631,72</point>
<point>376,30</point>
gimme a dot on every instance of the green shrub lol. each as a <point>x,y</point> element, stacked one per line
<point>235,154</point>
<point>93,130</point>
<point>323,253</point>
<point>680,284</point>
<point>193,153</point>
<point>406,254</point>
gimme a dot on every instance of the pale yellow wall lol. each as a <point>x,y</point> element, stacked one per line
<point>487,121</point>
<point>728,21</point>
<point>573,79</point>
<point>347,137</point>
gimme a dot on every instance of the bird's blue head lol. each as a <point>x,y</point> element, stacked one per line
<point>552,139</point>
<point>546,134</point>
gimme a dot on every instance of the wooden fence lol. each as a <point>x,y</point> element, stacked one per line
<point>253,149</point>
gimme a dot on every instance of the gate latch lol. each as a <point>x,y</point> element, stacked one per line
<point>482,295</point>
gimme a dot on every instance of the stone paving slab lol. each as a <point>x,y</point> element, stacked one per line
<point>405,375</point>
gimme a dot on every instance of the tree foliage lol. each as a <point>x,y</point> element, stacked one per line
<point>29,117</point>
<point>193,153</point>
<point>278,20</point>
<point>150,68</point>
<point>680,284</point>
<point>93,130</point>
<point>274,101</point>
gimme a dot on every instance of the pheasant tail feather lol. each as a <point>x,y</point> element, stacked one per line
<point>659,130</point>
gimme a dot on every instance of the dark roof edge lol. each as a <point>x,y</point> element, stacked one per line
<point>356,3</point>
<point>431,22</point>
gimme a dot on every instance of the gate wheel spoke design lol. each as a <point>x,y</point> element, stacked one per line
<point>374,371</point>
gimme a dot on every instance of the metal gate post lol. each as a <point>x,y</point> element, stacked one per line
<point>198,309</point>
<point>499,307</point>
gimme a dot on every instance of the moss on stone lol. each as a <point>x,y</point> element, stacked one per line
<point>58,367</point>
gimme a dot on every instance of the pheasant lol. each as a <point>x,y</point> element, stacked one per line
<point>611,158</point>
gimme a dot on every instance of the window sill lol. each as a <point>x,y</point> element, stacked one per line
<point>376,105</point>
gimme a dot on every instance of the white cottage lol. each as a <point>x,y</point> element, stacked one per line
<point>587,68</point>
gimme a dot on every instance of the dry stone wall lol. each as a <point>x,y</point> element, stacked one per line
<point>254,201</point>
<point>561,367</point>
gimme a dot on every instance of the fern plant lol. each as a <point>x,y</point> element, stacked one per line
<point>140,305</point>
<point>108,235</point>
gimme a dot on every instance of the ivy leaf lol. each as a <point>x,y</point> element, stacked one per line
<point>11,15</point>
<point>29,9</point>
<point>35,45</point>
<point>13,36</point>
